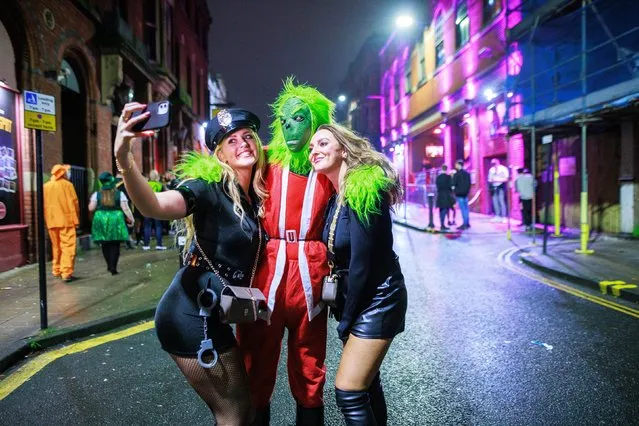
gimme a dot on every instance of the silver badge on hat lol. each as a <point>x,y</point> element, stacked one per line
<point>224,118</point>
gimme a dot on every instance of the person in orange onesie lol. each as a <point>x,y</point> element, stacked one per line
<point>61,213</point>
<point>294,263</point>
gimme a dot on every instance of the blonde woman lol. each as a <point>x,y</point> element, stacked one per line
<point>221,197</point>
<point>359,237</point>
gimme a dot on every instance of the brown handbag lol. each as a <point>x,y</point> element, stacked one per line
<point>240,304</point>
<point>332,282</point>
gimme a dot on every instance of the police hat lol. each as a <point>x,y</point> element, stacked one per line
<point>227,121</point>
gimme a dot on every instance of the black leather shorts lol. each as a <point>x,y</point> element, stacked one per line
<point>178,325</point>
<point>384,317</point>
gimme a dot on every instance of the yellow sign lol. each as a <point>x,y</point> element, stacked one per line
<point>5,124</point>
<point>39,121</point>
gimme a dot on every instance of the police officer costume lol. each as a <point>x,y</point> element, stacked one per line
<point>223,252</point>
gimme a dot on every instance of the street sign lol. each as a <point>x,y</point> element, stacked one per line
<point>39,111</point>
<point>546,139</point>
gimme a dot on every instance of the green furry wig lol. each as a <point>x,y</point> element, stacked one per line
<point>364,190</point>
<point>322,112</point>
<point>195,165</point>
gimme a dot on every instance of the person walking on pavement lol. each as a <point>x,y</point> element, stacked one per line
<point>152,224</point>
<point>109,227</point>
<point>452,212</point>
<point>525,187</point>
<point>221,198</point>
<point>444,183</point>
<point>498,179</point>
<point>62,216</point>
<point>461,186</point>
<point>358,231</point>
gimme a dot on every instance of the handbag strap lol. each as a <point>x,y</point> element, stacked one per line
<point>257,255</point>
<point>331,234</point>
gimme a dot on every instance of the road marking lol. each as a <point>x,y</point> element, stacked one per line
<point>603,285</point>
<point>23,374</point>
<point>505,259</point>
<point>616,289</point>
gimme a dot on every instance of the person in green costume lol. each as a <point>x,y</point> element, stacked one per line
<point>108,227</point>
<point>358,231</point>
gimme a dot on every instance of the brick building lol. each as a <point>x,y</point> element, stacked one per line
<point>93,56</point>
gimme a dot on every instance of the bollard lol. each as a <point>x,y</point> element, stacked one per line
<point>431,199</point>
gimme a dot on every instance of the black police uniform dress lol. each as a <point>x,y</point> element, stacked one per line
<point>230,245</point>
<point>375,299</point>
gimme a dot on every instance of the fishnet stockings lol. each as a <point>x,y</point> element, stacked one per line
<point>224,387</point>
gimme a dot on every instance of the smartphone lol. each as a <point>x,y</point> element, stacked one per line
<point>160,116</point>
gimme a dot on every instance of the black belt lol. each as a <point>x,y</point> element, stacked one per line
<point>291,237</point>
<point>226,271</point>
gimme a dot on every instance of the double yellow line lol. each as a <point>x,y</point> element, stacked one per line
<point>23,374</point>
<point>506,261</point>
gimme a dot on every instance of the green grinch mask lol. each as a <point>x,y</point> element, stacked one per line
<point>297,113</point>
<point>295,118</point>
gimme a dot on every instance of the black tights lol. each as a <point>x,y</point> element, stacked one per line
<point>224,387</point>
<point>111,253</point>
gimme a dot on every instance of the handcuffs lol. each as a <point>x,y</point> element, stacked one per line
<point>206,300</point>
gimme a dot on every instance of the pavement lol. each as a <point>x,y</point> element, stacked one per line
<point>97,301</point>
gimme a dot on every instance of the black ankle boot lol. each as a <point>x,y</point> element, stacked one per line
<point>262,416</point>
<point>356,407</point>
<point>378,401</point>
<point>309,416</point>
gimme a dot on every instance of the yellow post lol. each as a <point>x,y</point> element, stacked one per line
<point>585,227</point>
<point>557,201</point>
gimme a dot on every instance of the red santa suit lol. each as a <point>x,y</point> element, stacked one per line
<point>290,275</point>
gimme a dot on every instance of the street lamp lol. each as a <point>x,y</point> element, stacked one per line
<point>401,22</point>
<point>404,21</point>
<point>341,98</point>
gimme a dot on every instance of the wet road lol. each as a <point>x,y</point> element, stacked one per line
<point>466,357</point>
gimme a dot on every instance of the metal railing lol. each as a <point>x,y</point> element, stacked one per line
<point>83,180</point>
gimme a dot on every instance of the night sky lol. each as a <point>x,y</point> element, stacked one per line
<point>255,44</point>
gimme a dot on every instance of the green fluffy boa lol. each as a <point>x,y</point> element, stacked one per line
<point>322,111</point>
<point>364,189</point>
<point>195,165</point>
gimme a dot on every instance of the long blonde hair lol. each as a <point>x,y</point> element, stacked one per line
<point>185,227</point>
<point>360,152</point>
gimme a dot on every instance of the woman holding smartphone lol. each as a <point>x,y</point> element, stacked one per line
<point>221,196</point>
<point>360,243</point>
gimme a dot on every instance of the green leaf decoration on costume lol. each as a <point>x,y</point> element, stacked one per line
<point>304,108</point>
<point>195,165</point>
<point>364,190</point>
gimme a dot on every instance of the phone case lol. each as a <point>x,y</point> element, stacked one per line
<point>160,117</point>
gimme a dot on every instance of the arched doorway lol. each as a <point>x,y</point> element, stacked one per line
<point>73,121</point>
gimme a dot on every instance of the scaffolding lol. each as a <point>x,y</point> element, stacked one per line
<point>571,63</point>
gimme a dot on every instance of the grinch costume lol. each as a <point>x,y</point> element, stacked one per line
<point>295,261</point>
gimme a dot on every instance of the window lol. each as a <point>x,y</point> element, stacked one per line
<point>421,64</point>
<point>462,24</point>
<point>123,9</point>
<point>440,54</point>
<point>408,84</point>
<point>397,89</point>
<point>151,29</point>
<point>491,8</point>
<point>168,28</point>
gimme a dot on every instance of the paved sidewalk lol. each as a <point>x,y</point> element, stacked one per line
<point>95,296</point>
<point>615,263</point>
